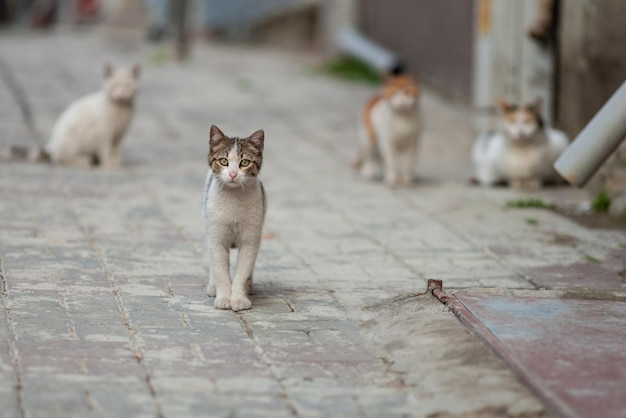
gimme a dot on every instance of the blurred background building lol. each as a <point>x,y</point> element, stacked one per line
<point>571,53</point>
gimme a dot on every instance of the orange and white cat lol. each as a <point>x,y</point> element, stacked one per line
<point>390,130</point>
<point>521,152</point>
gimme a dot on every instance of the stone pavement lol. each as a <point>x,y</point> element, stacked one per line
<point>103,272</point>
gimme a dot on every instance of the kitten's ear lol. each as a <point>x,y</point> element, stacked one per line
<point>258,139</point>
<point>136,70</point>
<point>107,70</point>
<point>505,106</point>
<point>215,136</point>
<point>538,105</point>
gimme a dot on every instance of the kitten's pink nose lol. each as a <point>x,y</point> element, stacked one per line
<point>232,175</point>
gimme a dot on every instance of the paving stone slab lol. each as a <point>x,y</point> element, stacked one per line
<point>566,349</point>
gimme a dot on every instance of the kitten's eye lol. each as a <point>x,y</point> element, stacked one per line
<point>244,163</point>
<point>223,161</point>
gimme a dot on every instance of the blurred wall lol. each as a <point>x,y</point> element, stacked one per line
<point>592,65</point>
<point>592,58</point>
<point>523,68</point>
<point>435,38</point>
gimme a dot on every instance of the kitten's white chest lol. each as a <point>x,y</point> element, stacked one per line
<point>402,126</point>
<point>524,162</point>
<point>231,206</point>
<point>398,127</point>
<point>231,215</point>
<point>118,118</point>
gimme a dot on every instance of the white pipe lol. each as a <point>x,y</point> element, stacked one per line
<point>597,141</point>
<point>363,48</point>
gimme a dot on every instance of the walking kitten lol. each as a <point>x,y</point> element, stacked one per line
<point>234,206</point>
<point>521,152</point>
<point>90,130</point>
<point>390,129</point>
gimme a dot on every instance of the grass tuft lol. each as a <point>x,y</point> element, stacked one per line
<point>352,69</point>
<point>592,259</point>
<point>602,202</point>
<point>530,203</point>
<point>243,84</point>
<point>159,57</point>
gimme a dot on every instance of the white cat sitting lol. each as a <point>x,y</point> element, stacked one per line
<point>92,128</point>
<point>522,151</point>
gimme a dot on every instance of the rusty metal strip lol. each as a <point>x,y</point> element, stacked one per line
<point>488,339</point>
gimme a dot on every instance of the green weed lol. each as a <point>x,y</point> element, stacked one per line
<point>602,202</point>
<point>593,259</point>
<point>243,84</point>
<point>159,57</point>
<point>352,69</point>
<point>530,203</point>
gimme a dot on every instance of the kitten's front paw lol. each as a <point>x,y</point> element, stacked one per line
<point>369,172</point>
<point>391,179</point>
<point>110,165</point>
<point>210,290</point>
<point>392,183</point>
<point>248,287</point>
<point>240,304</point>
<point>222,303</point>
<point>526,184</point>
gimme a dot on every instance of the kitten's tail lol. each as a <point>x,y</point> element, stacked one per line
<point>24,153</point>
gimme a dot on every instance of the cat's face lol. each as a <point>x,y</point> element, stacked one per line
<point>121,84</point>
<point>401,92</point>
<point>520,122</point>
<point>235,162</point>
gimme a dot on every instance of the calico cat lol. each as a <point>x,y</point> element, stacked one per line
<point>90,130</point>
<point>521,152</point>
<point>234,205</point>
<point>390,129</point>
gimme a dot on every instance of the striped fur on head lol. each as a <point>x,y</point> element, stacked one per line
<point>236,151</point>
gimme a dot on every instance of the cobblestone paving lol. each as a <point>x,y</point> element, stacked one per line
<point>103,271</point>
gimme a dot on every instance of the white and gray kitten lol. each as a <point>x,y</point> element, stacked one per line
<point>234,206</point>
<point>521,152</point>
<point>91,129</point>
